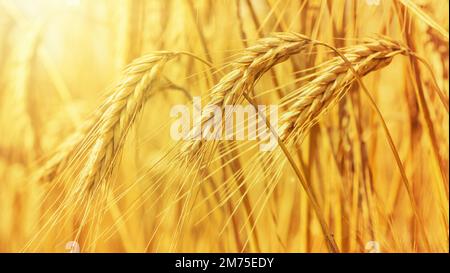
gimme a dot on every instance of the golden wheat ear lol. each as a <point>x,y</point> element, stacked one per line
<point>247,70</point>
<point>91,152</point>
<point>114,116</point>
<point>332,81</point>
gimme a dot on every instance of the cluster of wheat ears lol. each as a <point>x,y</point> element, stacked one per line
<point>361,162</point>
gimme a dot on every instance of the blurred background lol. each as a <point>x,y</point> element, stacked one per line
<point>60,58</point>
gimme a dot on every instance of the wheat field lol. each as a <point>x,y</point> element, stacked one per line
<point>360,155</point>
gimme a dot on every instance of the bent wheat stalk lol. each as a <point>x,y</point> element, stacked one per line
<point>335,79</point>
<point>98,148</point>
<point>88,157</point>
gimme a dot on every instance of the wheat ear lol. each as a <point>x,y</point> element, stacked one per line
<point>247,70</point>
<point>66,152</point>
<point>103,142</point>
<point>332,82</point>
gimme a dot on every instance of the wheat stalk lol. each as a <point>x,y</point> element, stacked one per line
<point>92,152</point>
<point>23,140</point>
<point>87,158</point>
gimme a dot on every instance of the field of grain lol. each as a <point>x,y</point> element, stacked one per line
<point>88,161</point>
